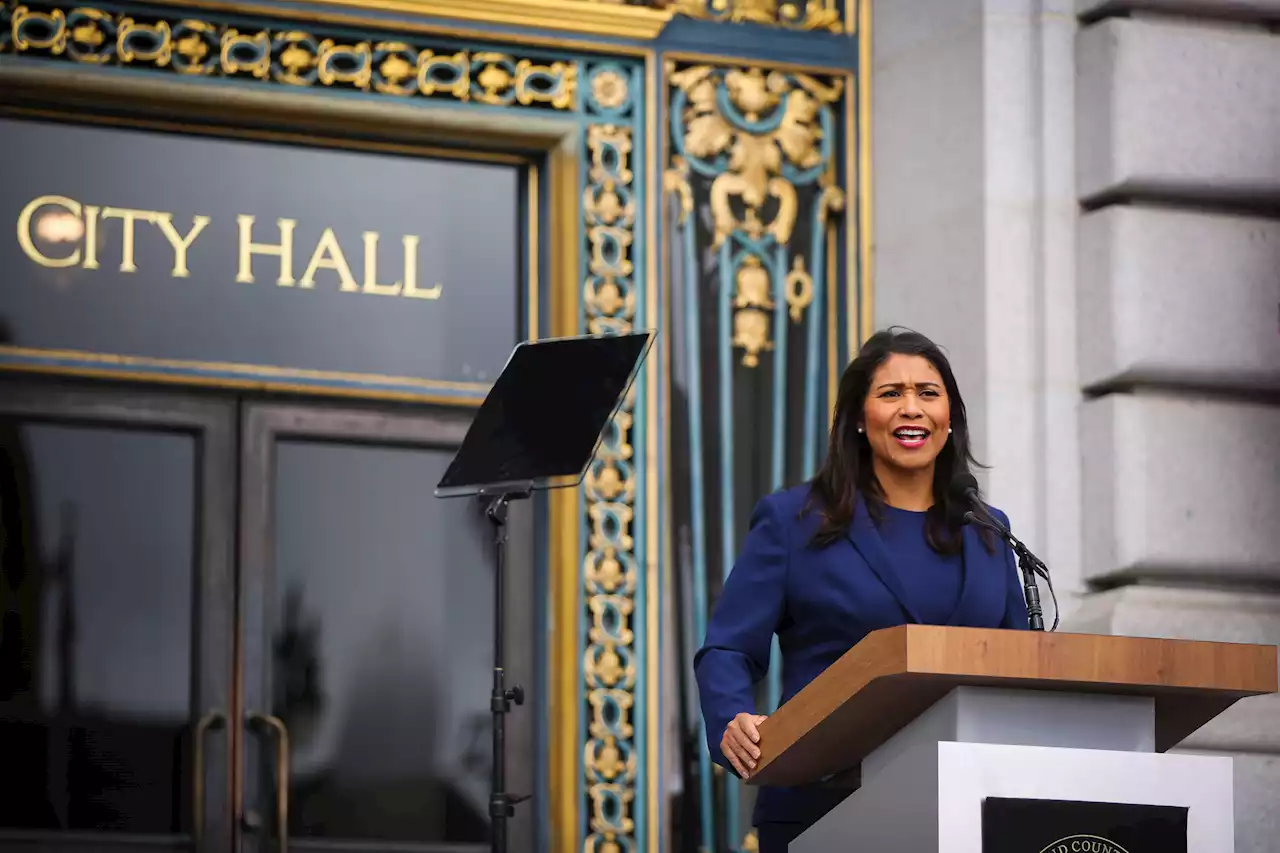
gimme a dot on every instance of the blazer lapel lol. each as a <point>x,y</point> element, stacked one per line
<point>982,588</point>
<point>866,539</point>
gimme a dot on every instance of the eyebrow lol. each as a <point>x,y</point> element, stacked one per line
<point>928,383</point>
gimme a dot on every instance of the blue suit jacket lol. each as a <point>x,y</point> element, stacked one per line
<point>821,602</point>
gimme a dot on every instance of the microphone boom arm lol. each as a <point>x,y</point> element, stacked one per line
<point>1028,563</point>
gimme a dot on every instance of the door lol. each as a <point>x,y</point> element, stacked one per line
<point>367,637</point>
<point>116,653</point>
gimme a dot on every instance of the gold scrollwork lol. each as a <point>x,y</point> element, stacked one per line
<point>48,33</point>
<point>799,289</point>
<point>751,139</point>
<point>755,176</point>
<point>143,42</point>
<point>751,315</point>
<point>609,570</point>
<point>89,32</point>
<point>791,14</point>
<point>90,35</point>
<point>610,211</point>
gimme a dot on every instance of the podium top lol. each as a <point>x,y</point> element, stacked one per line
<point>895,674</point>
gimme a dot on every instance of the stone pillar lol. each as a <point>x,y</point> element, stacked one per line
<point>1081,200</point>
<point>974,229</point>
<point>1178,140</point>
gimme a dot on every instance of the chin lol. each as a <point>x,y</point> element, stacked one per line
<point>915,461</point>
<point>916,464</point>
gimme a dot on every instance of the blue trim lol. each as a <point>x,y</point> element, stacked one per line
<point>725,356</point>
<point>642,522</point>
<point>584,538</point>
<point>813,356</point>
<point>753,43</point>
<point>697,501</point>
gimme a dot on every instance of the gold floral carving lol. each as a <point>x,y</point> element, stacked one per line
<point>754,174</point>
<point>752,308</point>
<point>769,131</point>
<point>609,570</point>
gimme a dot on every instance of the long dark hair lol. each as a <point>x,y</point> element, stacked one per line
<point>847,473</point>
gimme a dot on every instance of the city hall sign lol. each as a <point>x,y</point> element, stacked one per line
<point>58,220</point>
<point>234,260</point>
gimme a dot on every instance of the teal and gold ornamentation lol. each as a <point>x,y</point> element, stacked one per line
<point>293,57</point>
<point>611,568</point>
<point>756,176</point>
<point>757,141</point>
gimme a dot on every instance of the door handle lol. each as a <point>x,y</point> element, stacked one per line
<point>277,726</point>
<point>211,720</point>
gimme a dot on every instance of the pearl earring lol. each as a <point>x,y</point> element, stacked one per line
<point>948,429</point>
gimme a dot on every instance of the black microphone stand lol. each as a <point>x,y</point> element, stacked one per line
<point>1028,563</point>
<point>501,804</point>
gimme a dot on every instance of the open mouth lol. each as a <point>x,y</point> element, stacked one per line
<point>911,436</point>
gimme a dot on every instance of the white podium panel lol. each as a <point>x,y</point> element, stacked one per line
<point>923,790</point>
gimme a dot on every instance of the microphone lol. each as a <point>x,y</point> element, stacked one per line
<point>963,492</point>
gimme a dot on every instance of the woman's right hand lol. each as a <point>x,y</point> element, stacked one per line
<point>740,742</point>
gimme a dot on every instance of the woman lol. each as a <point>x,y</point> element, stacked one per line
<point>870,543</point>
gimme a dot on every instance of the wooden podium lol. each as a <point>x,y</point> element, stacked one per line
<point>936,720</point>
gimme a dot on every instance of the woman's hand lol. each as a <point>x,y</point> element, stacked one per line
<point>739,743</point>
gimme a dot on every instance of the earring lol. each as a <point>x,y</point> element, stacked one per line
<point>859,429</point>
<point>948,429</point>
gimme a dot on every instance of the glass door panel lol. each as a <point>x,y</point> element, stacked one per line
<point>111,545</point>
<point>376,646</point>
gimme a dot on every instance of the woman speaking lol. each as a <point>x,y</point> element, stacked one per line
<point>871,542</point>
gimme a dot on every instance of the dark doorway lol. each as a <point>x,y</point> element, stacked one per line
<point>238,624</point>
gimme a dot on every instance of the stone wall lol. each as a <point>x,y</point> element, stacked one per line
<point>1081,200</point>
<point>1178,168</point>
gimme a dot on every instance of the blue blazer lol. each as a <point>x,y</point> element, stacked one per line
<point>821,602</point>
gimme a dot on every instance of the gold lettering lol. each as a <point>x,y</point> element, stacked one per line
<point>91,236</point>
<point>371,269</point>
<point>179,243</point>
<point>24,231</point>
<point>328,255</point>
<point>75,224</point>
<point>284,250</point>
<point>128,216</point>
<point>411,288</point>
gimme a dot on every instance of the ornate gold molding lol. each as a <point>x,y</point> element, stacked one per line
<point>790,14</point>
<point>197,48</point>
<point>592,17</point>
<point>757,139</point>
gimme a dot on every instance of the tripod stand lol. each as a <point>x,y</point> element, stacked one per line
<point>538,428</point>
<point>501,804</point>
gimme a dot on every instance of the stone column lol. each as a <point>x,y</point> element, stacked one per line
<point>1081,200</point>
<point>1178,140</point>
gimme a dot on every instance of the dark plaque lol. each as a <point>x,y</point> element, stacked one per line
<point>1062,826</point>
<point>150,253</point>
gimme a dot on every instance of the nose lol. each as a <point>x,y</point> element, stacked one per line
<point>911,406</point>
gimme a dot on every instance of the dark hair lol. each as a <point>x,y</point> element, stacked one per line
<point>847,472</point>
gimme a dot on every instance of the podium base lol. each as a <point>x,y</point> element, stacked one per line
<point>923,790</point>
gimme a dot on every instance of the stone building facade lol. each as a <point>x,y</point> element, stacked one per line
<point>1081,200</point>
